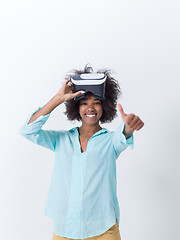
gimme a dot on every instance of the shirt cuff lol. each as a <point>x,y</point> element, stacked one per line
<point>40,117</point>
<point>35,125</point>
<point>129,141</point>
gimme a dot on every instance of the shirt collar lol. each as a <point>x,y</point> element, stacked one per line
<point>75,129</point>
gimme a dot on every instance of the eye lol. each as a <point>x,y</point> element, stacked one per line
<point>83,103</point>
<point>97,103</point>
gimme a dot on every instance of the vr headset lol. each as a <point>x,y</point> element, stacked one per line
<point>90,82</point>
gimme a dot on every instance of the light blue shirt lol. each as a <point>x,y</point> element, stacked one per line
<point>82,198</point>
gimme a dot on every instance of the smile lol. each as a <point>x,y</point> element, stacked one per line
<point>88,115</point>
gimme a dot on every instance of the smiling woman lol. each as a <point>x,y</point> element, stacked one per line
<point>112,92</point>
<point>82,199</point>
<point>90,110</point>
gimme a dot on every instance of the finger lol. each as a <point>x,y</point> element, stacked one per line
<point>136,125</point>
<point>67,81</point>
<point>141,125</point>
<point>70,85</point>
<point>77,93</point>
<point>121,110</point>
<point>130,117</point>
<point>134,122</point>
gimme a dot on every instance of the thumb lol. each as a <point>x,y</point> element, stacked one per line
<point>78,93</point>
<point>121,111</point>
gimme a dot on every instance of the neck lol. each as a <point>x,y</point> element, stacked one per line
<point>89,129</point>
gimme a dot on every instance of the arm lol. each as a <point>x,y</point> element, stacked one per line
<point>132,122</point>
<point>47,108</point>
<point>32,129</point>
<point>64,94</point>
<point>120,142</point>
<point>123,136</point>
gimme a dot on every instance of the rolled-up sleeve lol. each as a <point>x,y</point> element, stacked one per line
<point>120,143</point>
<point>34,132</point>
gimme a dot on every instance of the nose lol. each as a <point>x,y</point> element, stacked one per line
<point>90,107</point>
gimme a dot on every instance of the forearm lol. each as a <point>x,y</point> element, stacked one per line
<point>47,108</point>
<point>127,132</point>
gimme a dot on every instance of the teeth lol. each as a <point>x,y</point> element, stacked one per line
<point>90,115</point>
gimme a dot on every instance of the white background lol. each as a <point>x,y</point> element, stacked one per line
<point>40,41</point>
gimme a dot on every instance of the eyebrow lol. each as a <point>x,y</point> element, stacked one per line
<point>88,98</point>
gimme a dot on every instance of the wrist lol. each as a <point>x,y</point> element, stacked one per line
<point>127,132</point>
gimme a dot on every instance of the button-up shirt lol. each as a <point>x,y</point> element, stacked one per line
<point>82,198</point>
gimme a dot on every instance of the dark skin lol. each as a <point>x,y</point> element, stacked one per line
<point>90,125</point>
<point>90,110</point>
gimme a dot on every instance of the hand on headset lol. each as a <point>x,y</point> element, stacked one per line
<point>132,122</point>
<point>66,92</point>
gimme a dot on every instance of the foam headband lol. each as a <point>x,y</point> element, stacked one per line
<point>90,82</point>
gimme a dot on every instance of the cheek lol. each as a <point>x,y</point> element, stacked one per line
<point>101,110</point>
<point>81,109</point>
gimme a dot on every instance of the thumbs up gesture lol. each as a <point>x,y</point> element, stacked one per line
<point>132,122</point>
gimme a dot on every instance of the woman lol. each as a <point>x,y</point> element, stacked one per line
<point>82,199</point>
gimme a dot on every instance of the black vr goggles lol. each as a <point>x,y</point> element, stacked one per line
<point>90,82</point>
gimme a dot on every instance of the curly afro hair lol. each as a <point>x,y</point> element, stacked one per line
<point>112,92</point>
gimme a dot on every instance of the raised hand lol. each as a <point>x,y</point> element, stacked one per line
<point>66,92</point>
<point>132,122</point>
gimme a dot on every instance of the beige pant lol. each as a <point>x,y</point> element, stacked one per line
<point>111,234</point>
